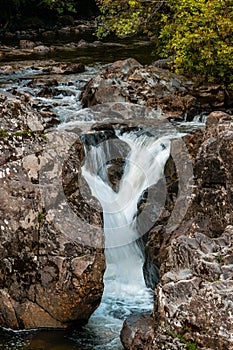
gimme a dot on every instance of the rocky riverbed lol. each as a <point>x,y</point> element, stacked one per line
<point>48,277</point>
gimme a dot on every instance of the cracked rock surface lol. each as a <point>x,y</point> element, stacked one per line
<point>151,86</point>
<point>52,261</point>
<point>194,298</point>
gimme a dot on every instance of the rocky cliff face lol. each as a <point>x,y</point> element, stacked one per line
<point>193,300</point>
<point>52,261</point>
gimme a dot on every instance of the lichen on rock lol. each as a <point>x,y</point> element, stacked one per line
<point>193,299</point>
<point>48,276</point>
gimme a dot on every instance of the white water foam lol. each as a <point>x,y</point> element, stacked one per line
<point>125,291</point>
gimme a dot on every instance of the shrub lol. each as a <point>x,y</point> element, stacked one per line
<point>199,35</point>
<point>196,33</point>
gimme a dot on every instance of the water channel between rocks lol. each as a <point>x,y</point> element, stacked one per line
<point>125,291</point>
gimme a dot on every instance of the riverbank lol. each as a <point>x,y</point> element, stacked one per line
<point>54,92</point>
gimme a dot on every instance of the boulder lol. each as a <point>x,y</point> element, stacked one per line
<point>26,44</point>
<point>193,299</point>
<point>195,295</point>
<point>65,68</point>
<point>51,239</point>
<point>41,48</point>
<point>137,332</point>
<point>129,81</point>
<point>212,204</point>
<point>211,96</point>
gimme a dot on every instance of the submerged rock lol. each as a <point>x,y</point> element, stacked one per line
<point>52,261</point>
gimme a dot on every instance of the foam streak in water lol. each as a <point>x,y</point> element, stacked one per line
<point>144,167</point>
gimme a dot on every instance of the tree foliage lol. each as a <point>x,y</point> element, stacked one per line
<point>60,5</point>
<point>197,33</point>
<point>128,17</point>
<point>16,9</point>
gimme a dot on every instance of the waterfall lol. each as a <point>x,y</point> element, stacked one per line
<point>144,166</point>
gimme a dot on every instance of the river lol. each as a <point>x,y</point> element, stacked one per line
<point>125,290</point>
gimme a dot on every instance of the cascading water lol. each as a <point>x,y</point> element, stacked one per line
<point>125,290</point>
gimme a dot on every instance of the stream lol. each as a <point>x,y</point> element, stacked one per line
<point>125,291</point>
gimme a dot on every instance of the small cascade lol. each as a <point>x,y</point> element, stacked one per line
<point>144,166</point>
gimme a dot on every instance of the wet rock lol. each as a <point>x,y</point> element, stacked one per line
<point>64,31</point>
<point>48,34</point>
<point>84,27</point>
<point>194,296</point>
<point>210,96</point>
<point>65,68</point>
<point>46,92</point>
<point>83,43</point>
<point>106,92</point>
<point>41,48</point>
<point>43,82</point>
<point>50,118</point>
<point>73,68</point>
<point>137,332</point>
<point>27,44</point>
<point>52,260</point>
<point>123,67</point>
<point>6,69</point>
<point>47,67</point>
<point>74,30</point>
<point>129,81</point>
<point>24,96</point>
<point>97,43</point>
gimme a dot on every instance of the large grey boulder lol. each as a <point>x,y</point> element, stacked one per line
<point>195,295</point>
<point>52,260</point>
<point>194,298</point>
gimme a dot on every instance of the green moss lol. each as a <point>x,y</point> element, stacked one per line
<point>25,132</point>
<point>22,133</point>
<point>3,133</point>
<point>219,259</point>
<point>44,136</point>
<point>190,346</point>
<point>41,218</point>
